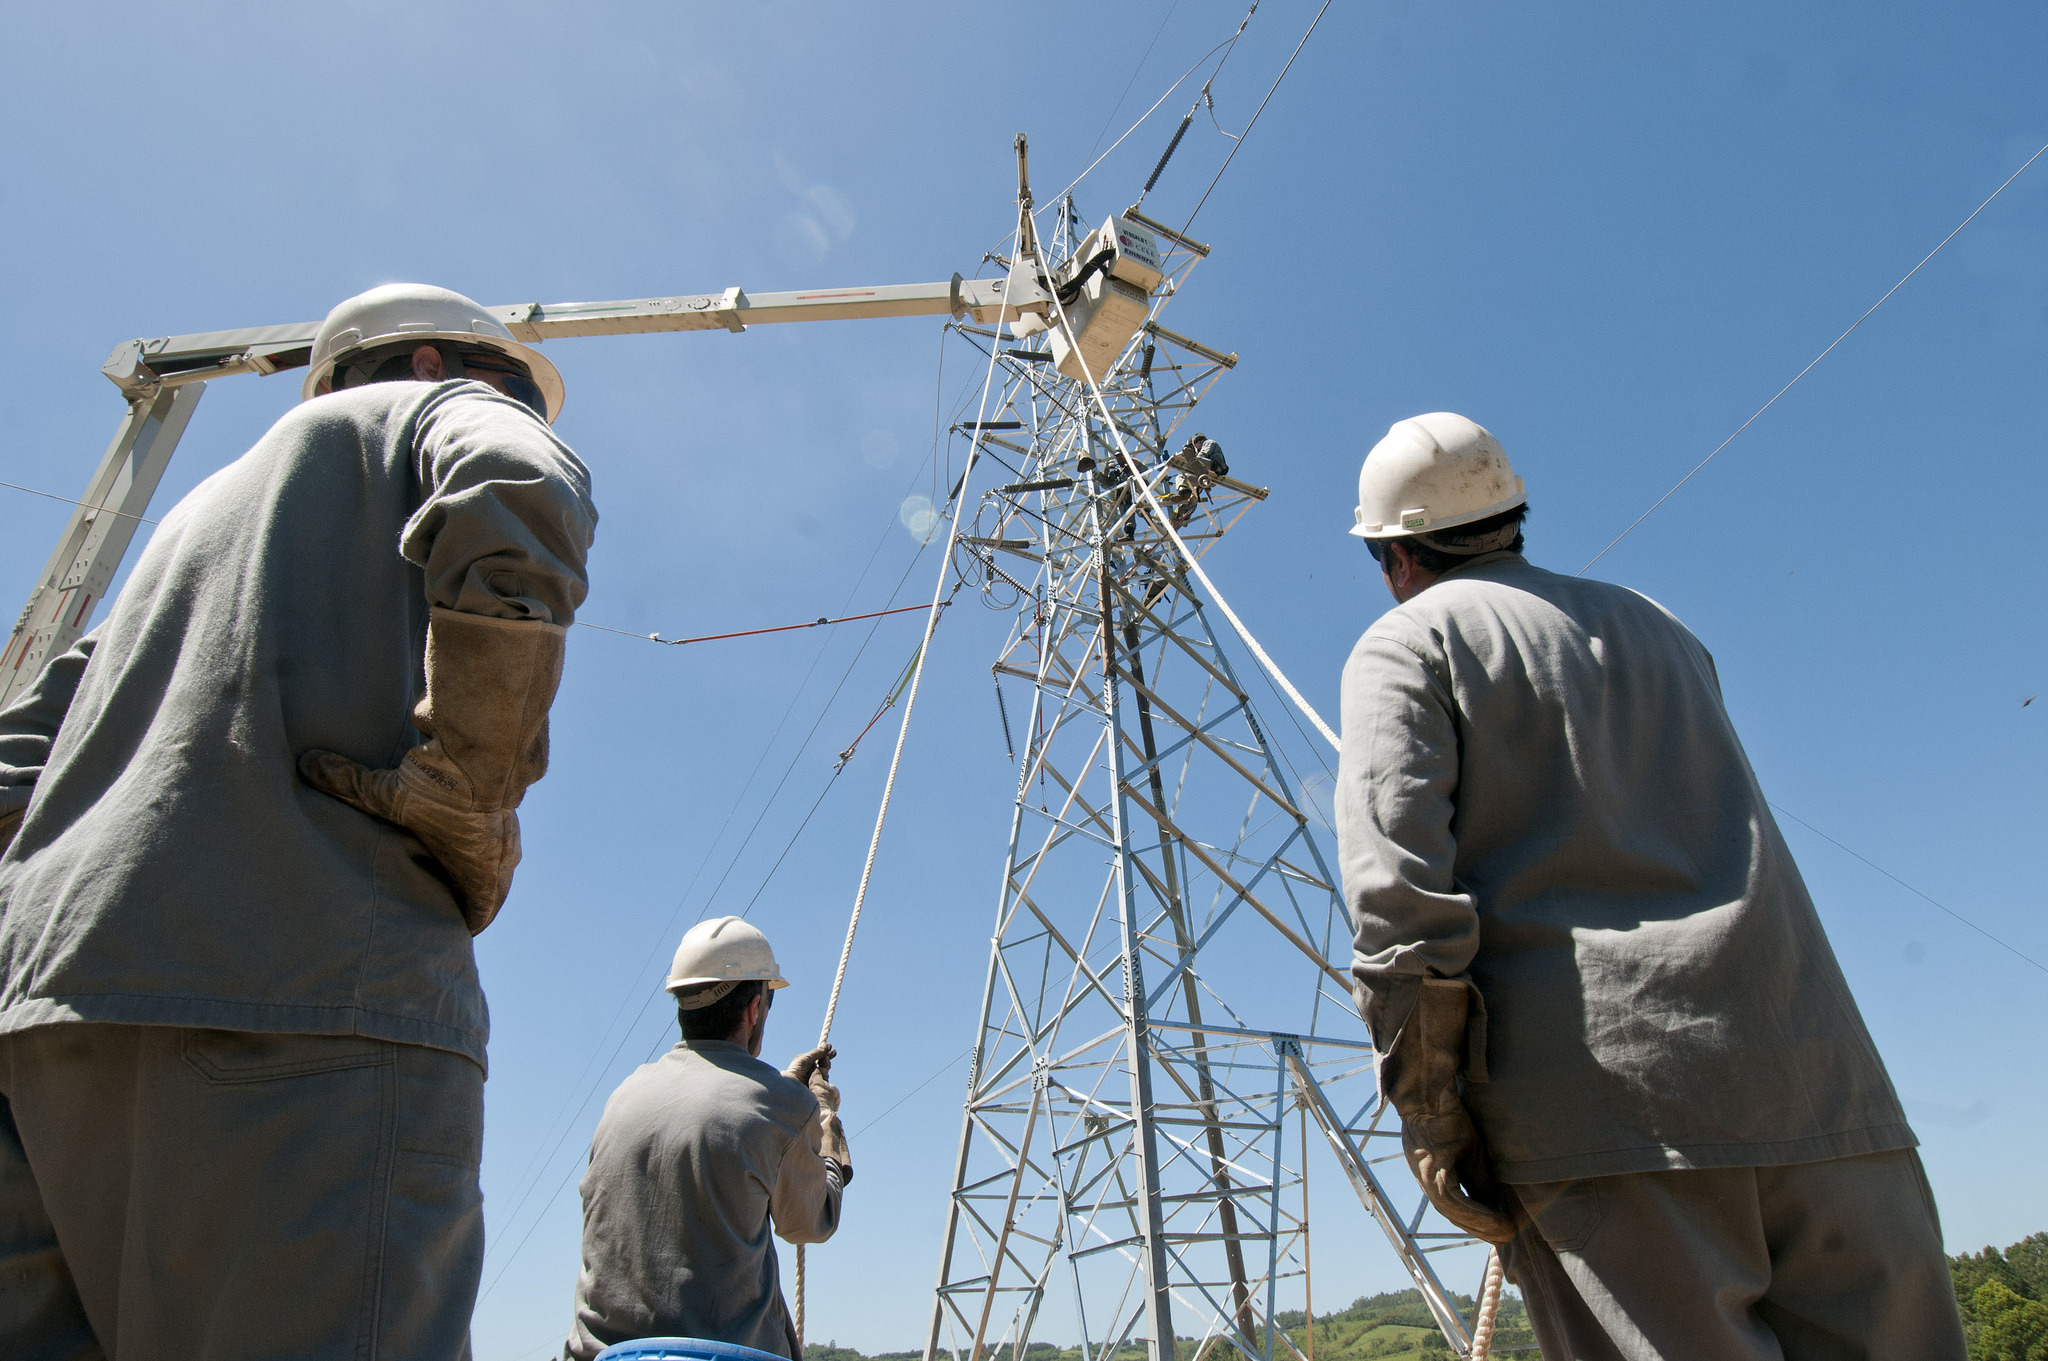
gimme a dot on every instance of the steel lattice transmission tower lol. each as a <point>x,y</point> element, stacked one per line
<point>1159,996</point>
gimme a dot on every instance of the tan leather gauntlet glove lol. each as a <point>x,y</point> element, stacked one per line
<point>489,685</point>
<point>832,1134</point>
<point>1420,1078</point>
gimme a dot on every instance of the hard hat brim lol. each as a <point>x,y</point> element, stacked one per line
<point>1520,498</point>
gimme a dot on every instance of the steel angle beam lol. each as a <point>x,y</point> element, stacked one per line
<point>97,535</point>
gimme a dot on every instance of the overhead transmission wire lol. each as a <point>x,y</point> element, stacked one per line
<point>1204,96</point>
<point>1136,71</point>
<point>1184,77</point>
<point>1816,360</point>
<point>2004,945</point>
<point>74,501</point>
<point>1238,142</point>
<point>1696,468</point>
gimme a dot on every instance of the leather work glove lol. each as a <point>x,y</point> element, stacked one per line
<point>816,1060</point>
<point>1420,1078</point>
<point>489,685</point>
<point>10,823</point>
<point>832,1134</point>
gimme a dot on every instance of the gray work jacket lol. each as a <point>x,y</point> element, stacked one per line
<point>696,1155</point>
<point>173,869</point>
<point>1541,790</point>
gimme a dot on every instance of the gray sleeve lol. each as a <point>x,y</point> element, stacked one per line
<point>28,727</point>
<point>1397,780</point>
<point>505,520</point>
<point>805,1201</point>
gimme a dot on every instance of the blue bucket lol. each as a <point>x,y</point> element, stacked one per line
<point>682,1349</point>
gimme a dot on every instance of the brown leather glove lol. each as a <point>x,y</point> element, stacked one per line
<point>10,823</point>
<point>489,685</point>
<point>832,1134</point>
<point>816,1060</point>
<point>1420,1078</point>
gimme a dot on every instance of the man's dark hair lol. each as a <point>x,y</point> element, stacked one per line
<point>1436,560</point>
<point>721,1018</point>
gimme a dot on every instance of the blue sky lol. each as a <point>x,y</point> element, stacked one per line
<point>1609,233</point>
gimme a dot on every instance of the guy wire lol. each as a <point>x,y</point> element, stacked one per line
<point>1809,368</point>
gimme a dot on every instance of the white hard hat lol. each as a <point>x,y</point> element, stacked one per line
<point>723,950</point>
<point>392,314</point>
<point>1433,472</point>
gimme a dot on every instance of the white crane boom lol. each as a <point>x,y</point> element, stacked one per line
<point>163,378</point>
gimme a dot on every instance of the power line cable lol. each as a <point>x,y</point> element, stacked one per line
<point>1075,183</point>
<point>73,501</point>
<point>1809,368</point>
<point>1135,72</point>
<point>1910,889</point>
<point>1238,145</point>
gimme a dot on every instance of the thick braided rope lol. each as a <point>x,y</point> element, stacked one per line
<point>1489,1308</point>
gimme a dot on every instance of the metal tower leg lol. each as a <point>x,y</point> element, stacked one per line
<point>1137,1042</point>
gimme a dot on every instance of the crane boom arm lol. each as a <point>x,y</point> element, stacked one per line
<point>140,367</point>
<point>164,377</point>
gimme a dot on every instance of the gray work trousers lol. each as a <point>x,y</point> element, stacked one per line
<point>210,1195</point>
<point>1826,1261</point>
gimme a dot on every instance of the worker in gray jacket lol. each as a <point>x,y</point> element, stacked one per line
<point>1616,1036</point>
<point>698,1156</point>
<point>262,810</point>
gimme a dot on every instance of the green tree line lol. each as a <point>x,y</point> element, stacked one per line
<point>2003,1296</point>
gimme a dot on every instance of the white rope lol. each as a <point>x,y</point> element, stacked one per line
<point>1489,1309</point>
<point>867,870</point>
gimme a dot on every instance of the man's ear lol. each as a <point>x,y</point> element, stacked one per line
<point>427,365</point>
<point>1398,564</point>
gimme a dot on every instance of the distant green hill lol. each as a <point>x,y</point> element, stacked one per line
<point>1396,1324</point>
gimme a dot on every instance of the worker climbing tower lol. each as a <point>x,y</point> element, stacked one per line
<point>1161,1006</point>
